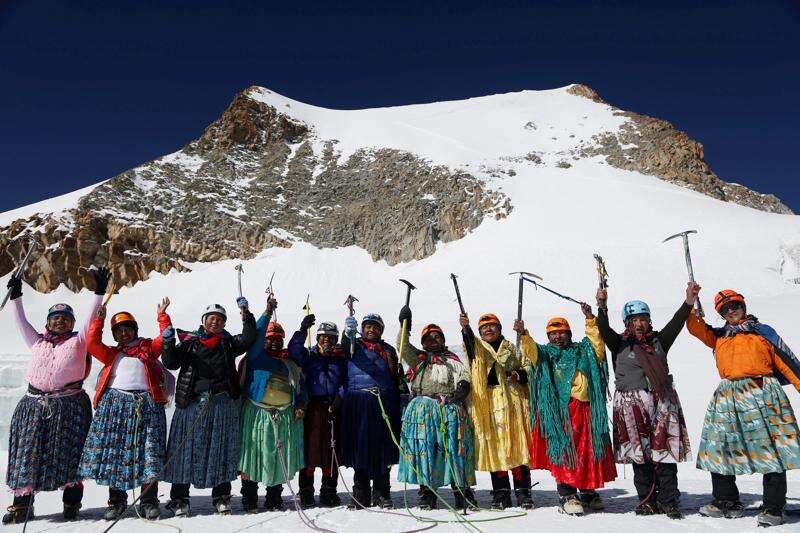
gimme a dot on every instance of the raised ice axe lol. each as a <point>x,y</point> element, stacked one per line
<point>458,293</point>
<point>349,303</point>
<point>20,269</point>
<point>685,234</point>
<point>307,309</point>
<point>522,276</point>
<point>602,273</point>
<point>239,270</point>
<point>404,328</point>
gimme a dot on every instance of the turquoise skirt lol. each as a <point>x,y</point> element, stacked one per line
<point>437,445</point>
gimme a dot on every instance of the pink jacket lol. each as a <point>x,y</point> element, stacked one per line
<point>53,367</point>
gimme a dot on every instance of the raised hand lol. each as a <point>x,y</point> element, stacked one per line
<point>587,310</point>
<point>692,291</point>
<point>101,312</point>
<point>307,322</point>
<point>463,320</point>
<point>272,304</point>
<point>350,324</point>
<point>101,276</point>
<point>241,303</point>
<point>15,286</point>
<point>519,326</point>
<point>602,297</point>
<point>168,334</point>
<point>162,307</point>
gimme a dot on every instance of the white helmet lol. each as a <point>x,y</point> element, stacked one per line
<point>214,309</point>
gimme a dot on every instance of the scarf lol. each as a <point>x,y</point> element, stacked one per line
<point>379,347</point>
<point>751,325</point>
<point>551,389</point>
<point>278,354</point>
<point>57,338</point>
<point>132,349</point>
<point>428,358</point>
<point>654,367</point>
<point>209,340</point>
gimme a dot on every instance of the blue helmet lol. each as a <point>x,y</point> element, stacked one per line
<point>634,307</point>
<point>375,318</point>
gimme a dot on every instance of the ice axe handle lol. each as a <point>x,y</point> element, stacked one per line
<point>458,294</point>
<point>519,304</point>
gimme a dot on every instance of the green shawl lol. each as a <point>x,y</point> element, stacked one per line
<point>550,391</point>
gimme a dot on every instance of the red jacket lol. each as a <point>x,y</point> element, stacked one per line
<point>149,351</point>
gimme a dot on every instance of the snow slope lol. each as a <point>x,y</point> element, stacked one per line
<point>561,217</point>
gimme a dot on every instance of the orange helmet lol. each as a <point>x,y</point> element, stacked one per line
<point>486,319</point>
<point>275,330</point>
<point>725,297</point>
<point>431,328</point>
<point>122,318</point>
<point>557,324</point>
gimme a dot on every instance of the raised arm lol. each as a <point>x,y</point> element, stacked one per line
<point>528,347</point>
<point>409,351</point>
<point>247,338</point>
<point>96,304</point>
<point>670,332</point>
<point>256,348</point>
<point>468,337</point>
<point>94,341</point>
<point>164,321</point>
<point>593,333</point>
<point>29,334</point>
<point>611,338</point>
<point>101,277</point>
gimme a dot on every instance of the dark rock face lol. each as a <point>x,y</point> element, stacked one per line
<point>250,182</point>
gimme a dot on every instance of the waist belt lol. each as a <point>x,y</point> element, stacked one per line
<point>68,390</point>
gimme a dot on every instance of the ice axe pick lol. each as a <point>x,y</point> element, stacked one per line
<point>685,236</point>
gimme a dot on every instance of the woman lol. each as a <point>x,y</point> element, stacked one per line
<point>368,446</point>
<point>437,437</point>
<point>204,437</point>
<point>272,416</point>
<point>499,409</point>
<point>127,438</point>
<point>569,381</point>
<point>51,421</point>
<point>649,428</point>
<point>749,427</point>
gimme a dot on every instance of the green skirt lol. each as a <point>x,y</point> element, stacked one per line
<point>749,429</point>
<point>258,457</point>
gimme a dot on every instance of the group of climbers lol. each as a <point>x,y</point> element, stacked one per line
<point>503,409</point>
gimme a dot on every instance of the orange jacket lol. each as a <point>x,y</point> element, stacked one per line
<point>149,352</point>
<point>743,355</point>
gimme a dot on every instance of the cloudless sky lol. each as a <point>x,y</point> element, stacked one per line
<point>90,89</point>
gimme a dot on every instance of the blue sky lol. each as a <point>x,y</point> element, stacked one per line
<point>90,89</point>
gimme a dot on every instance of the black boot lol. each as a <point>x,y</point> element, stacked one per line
<point>72,501</point>
<point>117,504</point>
<point>249,496</point>
<point>522,488</point>
<point>362,495</point>
<point>306,482</point>
<point>327,493</point>
<point>273,500</point>
<point>20,510</point>
<point>501,491</point>
<point>426,498</point>
<point>464,497</point>
<point>381,491</point>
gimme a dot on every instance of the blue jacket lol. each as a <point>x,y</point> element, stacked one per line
<point>260,367</point>
<point>367,369</point>
<point>324,375</point>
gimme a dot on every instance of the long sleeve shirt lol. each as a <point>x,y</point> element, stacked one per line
<point>53,366</point>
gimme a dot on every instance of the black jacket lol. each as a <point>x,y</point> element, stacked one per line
<point>203,368</point>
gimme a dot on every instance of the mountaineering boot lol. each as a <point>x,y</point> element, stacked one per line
<point>722,509</point>
<point>381,495</point>
<point>307,498</point>
<point>464,497</point>
<point>501,490</point>
<point>327,493</point>
<point>646,508</point>
<point>306,492</point>
<point>592,501</point>
<point>672,510</point>
<point>570,505</point>
<point>770,517</point>
<point>18,510</point>
<point>117,504</point>
<point>362,495</point>
<point>426,498</point>
<point>249,492</point>
<point>149,511</point>
<point>522,488</point>
<point>273,500</point>
<point>178,507</point>
<point>71,498</point>
<point>222,504</point>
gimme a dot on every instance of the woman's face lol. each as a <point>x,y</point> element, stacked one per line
<point>371,331</point>
<point>273,344</point>
<point>326,342</point>
<point>125,333</point>
<point>640,324</point>
<point>60,324</point>
<point>433,342</point>
<point>734,313</point>
<point>562,339</point>
<point>214,323</point>
<point>490,332</point>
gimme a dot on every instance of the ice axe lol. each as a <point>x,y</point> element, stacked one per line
<point>349,303</point>
<point>239,271</point>
<point>404,328</point>
<point>307,309</point>
<point>20,269</point>
<point>522,276</point>
<point>602,273</point>
<point>685,235</point>
<point>458,293</point>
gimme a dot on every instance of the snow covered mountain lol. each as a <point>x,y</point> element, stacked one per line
<point>346,202</point>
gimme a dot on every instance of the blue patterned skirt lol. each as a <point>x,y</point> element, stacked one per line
<point>45,441</point>
<point>437,445</point>
<point>366,439</point>
<point>125,446</point>
<point>204,438</point>
<point>749,429</point>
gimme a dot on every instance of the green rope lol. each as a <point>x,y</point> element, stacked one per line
<point>460,519</point>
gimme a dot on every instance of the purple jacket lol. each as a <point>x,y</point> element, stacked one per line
<point>325,375</point>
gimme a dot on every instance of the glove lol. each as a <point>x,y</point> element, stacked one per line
<point>307,322</point>
<point>405,314</point>
<point>101,277</point>
<point>15,285</point>
<point>241,303</point>
<point>350,324</point>
<point>168,334</point>
<point>460,394</point>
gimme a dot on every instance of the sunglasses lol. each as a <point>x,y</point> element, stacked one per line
<point>735,306</point>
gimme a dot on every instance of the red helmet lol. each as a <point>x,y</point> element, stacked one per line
<point>275,330</point>
<point>725,297</point>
